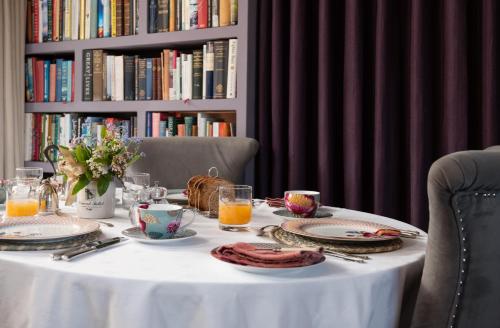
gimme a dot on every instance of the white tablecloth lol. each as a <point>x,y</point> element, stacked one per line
<point>181,285</point>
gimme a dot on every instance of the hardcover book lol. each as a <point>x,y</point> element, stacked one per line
<point>129,79</point>
<point>197,78</point>
<point>87,75</point>
<point>97,75</point>
<point>220,68</point>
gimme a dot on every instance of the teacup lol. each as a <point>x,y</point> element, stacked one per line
<point>303,203</point>
<point>162,221</point>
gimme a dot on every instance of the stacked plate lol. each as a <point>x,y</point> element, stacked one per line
<point>46,229</point>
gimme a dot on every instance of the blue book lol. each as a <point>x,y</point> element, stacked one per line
<point>100,18</point>
<point>59,63</point>
<point>149,78</point>
<point>106,17</point>
<point>163,128</point>
<point>46,80</point>
<point>149,124</point>
<point>64,82</point>
<point>69,79</point>
<point>30,93</point>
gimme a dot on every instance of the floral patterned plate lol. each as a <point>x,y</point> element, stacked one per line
<point>136,234</point>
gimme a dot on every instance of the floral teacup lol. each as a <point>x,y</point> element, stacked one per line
<point>162,221</point>
<point>302,203</point>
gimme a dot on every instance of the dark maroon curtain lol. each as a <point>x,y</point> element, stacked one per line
<point>357,98</point>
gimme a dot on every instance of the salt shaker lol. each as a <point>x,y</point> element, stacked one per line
<point>48,199</point>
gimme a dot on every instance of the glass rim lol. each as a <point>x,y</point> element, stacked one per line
<point>138,174</point>
<point>236,187</point>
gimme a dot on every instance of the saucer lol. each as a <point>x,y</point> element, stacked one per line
<point>320,213</point>
<point>136,234</point>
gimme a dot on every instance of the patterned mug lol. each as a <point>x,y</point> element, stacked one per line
<point>302,203</point>
<point>162,221</point>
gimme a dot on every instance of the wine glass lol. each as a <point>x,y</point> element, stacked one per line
<point>135,185</point>
<point>29,172</point>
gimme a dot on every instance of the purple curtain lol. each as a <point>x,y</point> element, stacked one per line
<point>357,98</point>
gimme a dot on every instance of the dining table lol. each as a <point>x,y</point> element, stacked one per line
<point>180,284</point>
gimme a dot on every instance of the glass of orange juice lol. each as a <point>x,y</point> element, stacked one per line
<point>22,197</point>
<point>235,207</point>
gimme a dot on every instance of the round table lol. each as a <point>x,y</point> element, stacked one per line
<point>181,285</point>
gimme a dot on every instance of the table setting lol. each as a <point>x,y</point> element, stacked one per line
<point>209,255</point>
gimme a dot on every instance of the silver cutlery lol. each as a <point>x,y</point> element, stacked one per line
<point>68,255</point>
<point>107,224</point>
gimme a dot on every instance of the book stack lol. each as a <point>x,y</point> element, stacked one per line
<point>175,124</point>
<point>205,73</point>
<point>182,15</point>
<point>42,130</point>
<point>49,80</point>
<point>62,20</point>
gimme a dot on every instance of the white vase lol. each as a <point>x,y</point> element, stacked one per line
<point>89,205</point>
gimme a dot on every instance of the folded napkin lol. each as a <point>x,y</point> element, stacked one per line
<point>246,254</point>
<point>275,202</point>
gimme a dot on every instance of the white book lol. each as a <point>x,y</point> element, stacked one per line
<point>204,76</point>
<point>106,18</point>
<point>215,13</point>
<point>119,78</point>
<point>215,126</point>
<point>202,124</point>
<point>62,130</point>
<point>67,131</point>
<point>111,77</point>
<point>171,91</point>
<point>75,19</point>
<point>40,21</point>
<point>28,136</point>
<point>185,15</point>
<point>67,18</point>
<point>189,76</point>
<point>177,78</point>
<point>88,11</point>
<point>134,20</point>
<point>231,68</point>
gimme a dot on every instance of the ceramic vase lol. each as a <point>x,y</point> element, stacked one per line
<point>89,205</point>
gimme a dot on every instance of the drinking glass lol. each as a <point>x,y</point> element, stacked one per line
<point>158,194</point>
<point>235,207</point>
<point>29,172</point>
<point>22,197</point>
<point>135,185</point>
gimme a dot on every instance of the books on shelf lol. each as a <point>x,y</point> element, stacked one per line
<point>182,15</point>
<point>58,20</point>
<point>49,80</point>
<point>42,130</point>
<point>203,73</point>
<point>191,125</point>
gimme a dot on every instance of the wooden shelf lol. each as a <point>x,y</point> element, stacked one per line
<point>138,41</point>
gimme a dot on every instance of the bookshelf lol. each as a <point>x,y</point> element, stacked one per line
<point>144,41</point>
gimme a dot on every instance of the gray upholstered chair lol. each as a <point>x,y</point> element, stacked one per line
<point>172,161</point>
<point>461,279</point>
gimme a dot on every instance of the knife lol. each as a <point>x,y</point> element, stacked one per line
<point>69,255</point>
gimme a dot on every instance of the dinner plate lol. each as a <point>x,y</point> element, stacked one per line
<point>261,270</point>
<point>336,229</point>
<point>51,228</point>
<point>136,234</point>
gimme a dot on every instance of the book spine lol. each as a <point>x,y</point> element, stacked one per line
<point>119,17</point>
<point>202,13</point>
<point>45,25</point>
<point>149,79</point>
<point>28,137</point>
<point>209,14</point>
<point>119,77</point>
<point>100,18</point>
<point>106,18</point>
<point>178,78</point>
<point>39,77</point>
<point>71,79</point>
<point>46,80</point>
<point>178,15</point>
<point>155,125</point>
<point>197,85</point>
<point>132,16</point>
<point>234,12</point>
<point>64,82</point>
<point>204,73</point>
<point>170,85</point>
<point>158,80</point>
<point>97,75</point>
<point>136,82</point>
<point>152,16</point>
<point>36,19</point>
<point>142,79</point>
<point>113,18</point>
<point>40,21</point>
<point>215,13</point>
<point>126,17</point>
<point>189,76</point>
<point>129,77</point>
<point>30,93</point>
<point>186,12</point>
<point>163,128</point>
<point>181,130</point>
<point>61,19</point>
<point>188,125</point>
<point>224,12</point>
<point>220,73</point>
<point>93,18</point>
<point>171,15</point>
<point>104,75</point>
<point>75,19</point>
<point>231,69</point>
<point>85,10</point>
<point>162,23</point>
<point>56,8</point>
<point>149,123</point>
<point>87,75</point>
<point>52,79</point>
<point>110,71</point>
<point>49,20</point>
<point>193,14</point>
<point>29,21</point>
<point>59,63</point>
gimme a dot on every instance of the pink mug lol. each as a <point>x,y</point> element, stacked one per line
<point>303,203</point>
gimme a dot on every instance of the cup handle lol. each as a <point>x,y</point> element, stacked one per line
<point>184,225</point>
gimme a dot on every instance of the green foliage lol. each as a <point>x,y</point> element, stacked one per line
<point>83,181</point>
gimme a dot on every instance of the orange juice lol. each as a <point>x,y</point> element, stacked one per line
<point>235,213</point>
<point>21,207</point>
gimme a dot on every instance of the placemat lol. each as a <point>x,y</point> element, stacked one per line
<point>73,242</point>
<point>290,239</point>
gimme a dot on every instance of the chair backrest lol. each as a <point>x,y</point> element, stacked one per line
<point>173,161</point>
<point>460,283</point>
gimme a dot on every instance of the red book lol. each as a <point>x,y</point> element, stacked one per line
<point>39,81</point>
<point>202,13</point>
<point>224,129</point>
<point>52,87</point>
<point>156,125</point>
<point>36,23</point>
<point>181,130</point>
<point>72,81</point>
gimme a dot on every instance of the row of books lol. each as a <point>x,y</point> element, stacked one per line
<point>61,20</point>
<point>49,80</point>
<point>42,130</point>
<point>182,15</point>
<point>204,73</point>
<point>172,124</point>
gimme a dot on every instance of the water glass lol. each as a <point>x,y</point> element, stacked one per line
<point>135,185</point>
<point>29,172</point>
<point>235,207</point>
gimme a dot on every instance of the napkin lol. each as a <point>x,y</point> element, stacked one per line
<point>246,254</point>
